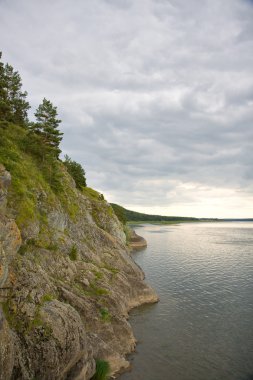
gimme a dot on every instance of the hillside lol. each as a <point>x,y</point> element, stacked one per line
<point>132,216</point>
<point>67,280</point>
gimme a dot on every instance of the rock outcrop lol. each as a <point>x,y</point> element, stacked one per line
<point>67,283</point>
<point>136,241</point>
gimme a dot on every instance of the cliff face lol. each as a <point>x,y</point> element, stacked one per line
<point>67,283</point>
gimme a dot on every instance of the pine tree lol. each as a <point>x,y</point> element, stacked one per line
<point>46,126</point>
<point>13,104</point>
<point>4,106</point>
<point>15,97</point>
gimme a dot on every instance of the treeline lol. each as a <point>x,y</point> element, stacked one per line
<point>43,136</point>
<point>125,215</point>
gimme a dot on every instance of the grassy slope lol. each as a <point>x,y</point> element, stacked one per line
<point>33,178</point>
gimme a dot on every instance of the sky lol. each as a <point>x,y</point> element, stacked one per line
<point>155,96</point>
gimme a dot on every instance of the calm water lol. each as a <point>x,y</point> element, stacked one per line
<point>202,328</point>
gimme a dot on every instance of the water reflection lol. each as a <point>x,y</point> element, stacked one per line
<point>202,327</point>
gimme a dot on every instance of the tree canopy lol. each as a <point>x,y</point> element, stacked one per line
<point>76,171</point>
<point>13,103</point>
<point>46,126</point>
<point>41,138</point>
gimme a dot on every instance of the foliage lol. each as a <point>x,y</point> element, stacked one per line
<point>93,194</point>
<point>105,315</point>
<point>102,370</point>
<point>47,298</point>
<point>129,215</point>
<point>96,291</point>
<point>46,126</point>
<point>73,253</point>
<point>120,213</point>
<point>13,103</point>
<point>76,171</point>
<point>31,178</point>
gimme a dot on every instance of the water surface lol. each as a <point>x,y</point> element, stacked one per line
<point>202,328</point>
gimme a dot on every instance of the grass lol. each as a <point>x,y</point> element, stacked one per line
<point>91,193</point>
<point>47,298</point>
<point>73,253</point>
<point>98,275</point>
<point>105,315</point>
<point>102,370</point>
<point>111,269</point>
<point>98,291</point>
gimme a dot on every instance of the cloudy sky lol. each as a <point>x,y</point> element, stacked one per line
<point>156,96</point>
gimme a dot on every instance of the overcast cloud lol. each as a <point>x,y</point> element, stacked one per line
<point>156,96</point>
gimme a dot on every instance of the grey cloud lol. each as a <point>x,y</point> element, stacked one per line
<point>153,94</point>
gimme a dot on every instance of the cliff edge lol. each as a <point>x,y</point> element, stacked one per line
<point>67,280</point>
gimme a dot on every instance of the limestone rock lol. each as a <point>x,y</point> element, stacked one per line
<point>6,349</point>
<point>72,285</point>
<point>5,180</point>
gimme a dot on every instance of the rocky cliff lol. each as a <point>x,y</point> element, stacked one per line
<point>67,280</point>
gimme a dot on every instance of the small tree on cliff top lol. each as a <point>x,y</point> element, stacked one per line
<point>13,104</point>
<point>47,126</point>
<point>76,171</point>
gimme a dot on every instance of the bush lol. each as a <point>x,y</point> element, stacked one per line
<point>76,171</point>
<point>73,253</point>
<point>105,315</point>
<point>102,370</point>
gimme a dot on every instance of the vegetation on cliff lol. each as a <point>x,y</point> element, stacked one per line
<point>22,139</point>
<point>69,278</point>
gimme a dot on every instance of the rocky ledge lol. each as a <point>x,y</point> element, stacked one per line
<point>67,282</point>
<point>137,242</point>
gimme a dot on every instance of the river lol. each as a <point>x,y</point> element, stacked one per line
<point>202,328</point>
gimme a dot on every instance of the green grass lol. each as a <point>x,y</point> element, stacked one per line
<point>91,193</point>
<point>47,298</point>
<point>105,315</point>
<point>97,291</point>
<point>111,269</point>
<point>34,180</point>
<point>73,253</point>
<point>102,370</point>
<point>98,275</point>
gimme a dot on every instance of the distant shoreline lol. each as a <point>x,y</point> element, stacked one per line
<point>168,222</point>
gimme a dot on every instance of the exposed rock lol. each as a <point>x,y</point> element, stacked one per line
<point>72,285</point>
<point>136,241</point>
<point>57,348</point>
<point>5,180</point>
<point>6,349</point>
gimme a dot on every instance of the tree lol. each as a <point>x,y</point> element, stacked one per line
<point>4,107</point>
<point>13,104</point>
<point>76,171</point>
<point>46,126</point>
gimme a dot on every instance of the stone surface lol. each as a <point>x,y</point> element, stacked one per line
<point>72,285</point>
<point>136,241</point>
<point>6,349</point>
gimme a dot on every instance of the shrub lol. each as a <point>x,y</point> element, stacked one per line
<point>73,253</point>
<point>47,298</point>
<point>102,370</point>
<point>76,171</point>
<point>105,315</point>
